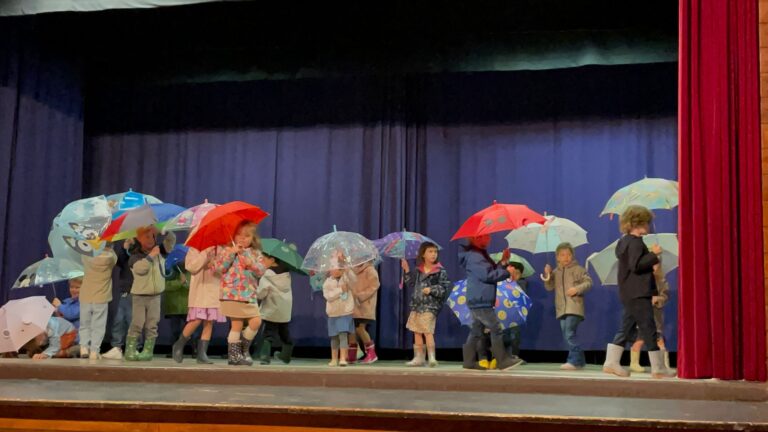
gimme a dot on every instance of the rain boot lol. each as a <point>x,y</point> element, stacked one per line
<point>658,369</point>
<point>130,349</point>
<point>235,354</point>
<point>285,354</point>
<point>634,363</point>
<point>148,352</point>
<point>370,354</point>
<point>178,348</point>
<point>612,363</point>
<point>246,348</point>
<point>352,354</point>
<point>264,354</point>
<point>432,356</point>
<point>202,352</point>
<point>418,356</point>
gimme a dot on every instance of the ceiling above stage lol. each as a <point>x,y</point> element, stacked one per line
<point>253,40</point>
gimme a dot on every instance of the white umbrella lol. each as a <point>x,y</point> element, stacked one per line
<point>606,264</point>
<point>21,320</point>
<point>538,238</point>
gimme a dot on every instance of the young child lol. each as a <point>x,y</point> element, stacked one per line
<point>175,300</point>
<point>482,276</point>
<point>431,286</point>
<point>147,266</point>
<point>570,282</point>
<point>203,303</point>
<point>95,295</point>
<point>635,278</point>
<point>59,336</point>
<point>511,335</point>
<point>274,292</point>
<point>340,307</point>
<point>239,265</point>
<point>659,300</point>
<point>364,287</point>
<point>122,318</point>
<point>69,308</point>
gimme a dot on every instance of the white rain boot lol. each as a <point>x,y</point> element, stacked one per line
<point>612,363</point>
<point>658,369</point>
<point>418,356</point>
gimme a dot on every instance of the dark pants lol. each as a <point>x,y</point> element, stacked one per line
<point>638,313</point>
<point>511,338</point>
<point>277,334</point>
<point>482,319</point>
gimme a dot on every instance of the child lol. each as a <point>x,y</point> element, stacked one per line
<point>364,286</point>
<point>274,291</point>
<point>431,286</point>
<point>482,276</point>
<point>511,335</point>
<point>147,266</point>
<point>69,309</point>
<point>340,307</point>
<point>175,299</point>
<point>60,337</point>
<point>570,282</point>
<point>122,319</point>
<point>203,303</point>
<point>239,266</point>
<point>636,291</point>
<point>95,295</point>
<point>661,295</point>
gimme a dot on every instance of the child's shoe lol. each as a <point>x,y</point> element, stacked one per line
<point>418,356</point>
<point>114,354</point>
<point>343,363</point>
<point>352,353</point>
<point>658,369</point>
<point>484,364</point>
<point>284,355</point>
<point>432,356</point>
<point>130,349</point>
<point>612,363</point>
<point>509,363</point>
<point>492,365</point>
<point>634,362</point>
<point>94,356</point>
<point>333,363</point>
<point>570,367</point>
<point>370,354</point>
<point>84,353</point>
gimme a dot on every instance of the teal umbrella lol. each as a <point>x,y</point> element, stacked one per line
<point>528,269</point>
<point>285,252</point>
<point>651,193</point>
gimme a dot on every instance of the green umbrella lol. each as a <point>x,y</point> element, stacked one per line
<point>284,252</point>
<point>528,272</point>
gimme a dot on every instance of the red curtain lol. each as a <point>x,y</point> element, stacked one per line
<point>722,297</point>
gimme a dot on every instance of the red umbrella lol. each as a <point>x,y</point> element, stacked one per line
<point>218,226</point>
<point>498,217</point>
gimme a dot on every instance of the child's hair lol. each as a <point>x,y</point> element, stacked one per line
<point>77,279</point>
<point>31,348</point>
<point>565,246</point>
<point>518,266</point>
<point>256,242</point>
<point>280,266</point>
<point>423,249</point>
<point>633,217</point>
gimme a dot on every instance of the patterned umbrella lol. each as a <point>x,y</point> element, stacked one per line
<point>189,218</point>
<point>402,244</point>
<point>339,249</point>
<point>512,304</point>
<point>78,227</point>
<point>127,222</point>
<point>48,271</point>
<point>651,193</point>
<point>129,200</point>
<point>538,238</point>
<point>606,264</point>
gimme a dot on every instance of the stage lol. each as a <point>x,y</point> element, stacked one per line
<point>384,396</point>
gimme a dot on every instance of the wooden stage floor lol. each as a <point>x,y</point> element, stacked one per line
<point>386,396</point>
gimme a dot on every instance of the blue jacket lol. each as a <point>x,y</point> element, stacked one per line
<point>482,276</point>
<point>70,310</point>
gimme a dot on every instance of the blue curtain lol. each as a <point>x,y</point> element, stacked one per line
<point>376,155</point>
<point>41,143</point>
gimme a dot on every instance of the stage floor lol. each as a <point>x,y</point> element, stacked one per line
<point>387,393</point>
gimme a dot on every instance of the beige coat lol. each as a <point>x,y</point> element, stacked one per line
<point>561,279</point>
<point>147,274</point>
<point>97,282</point>
<point>364,283</point>
<point>205,284</point>
<point>274,291</point>
<point>339,300</point>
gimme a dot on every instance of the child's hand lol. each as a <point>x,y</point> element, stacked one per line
<point>128,243</point>
<point>656,249</point>
<point>547,270</point>
<point>234,249</point>
<point>426,291</point>
<point>56,302</point>
<point>656,300</point>
<point>183,279</point>
<point>505,256</point>
<point>405,266</point>
<point>572,292</point>
<point>155,252</point>
<point>40,356</point>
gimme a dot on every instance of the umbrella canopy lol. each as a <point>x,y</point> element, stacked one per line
<point>47,271</point>
<point>78,227</point>
<point>606,265</point>
<point>537,238</point>
<point>497,217</point>
<point>21,320</point>
<point>402,244</point>
<point>126,223</point>
<point>219,225</point>
<point>189,218</point>
<point>67,244</point>
<point>175,257</point>
<point>651,193</point>
<point>512,304</point>
<point>339,249</point>
<point>285,252</point>
<point>129,200</point>
<point>528,269</point>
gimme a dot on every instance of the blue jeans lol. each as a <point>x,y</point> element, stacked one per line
<point>122,321</point>
<point>568,325</point>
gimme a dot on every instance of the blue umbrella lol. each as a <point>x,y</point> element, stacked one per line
<point>175,257</point>
<point>163,211</point>
<point>130,199</point>
<point>512,304</point>
<point>76,230</point>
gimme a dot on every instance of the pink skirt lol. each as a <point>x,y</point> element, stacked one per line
<point>207,314</point>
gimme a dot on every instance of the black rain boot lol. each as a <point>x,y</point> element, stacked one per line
<point>285,354</point>
<point>266,350</point>
<point>178,348</point>
<point>202,352</point>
